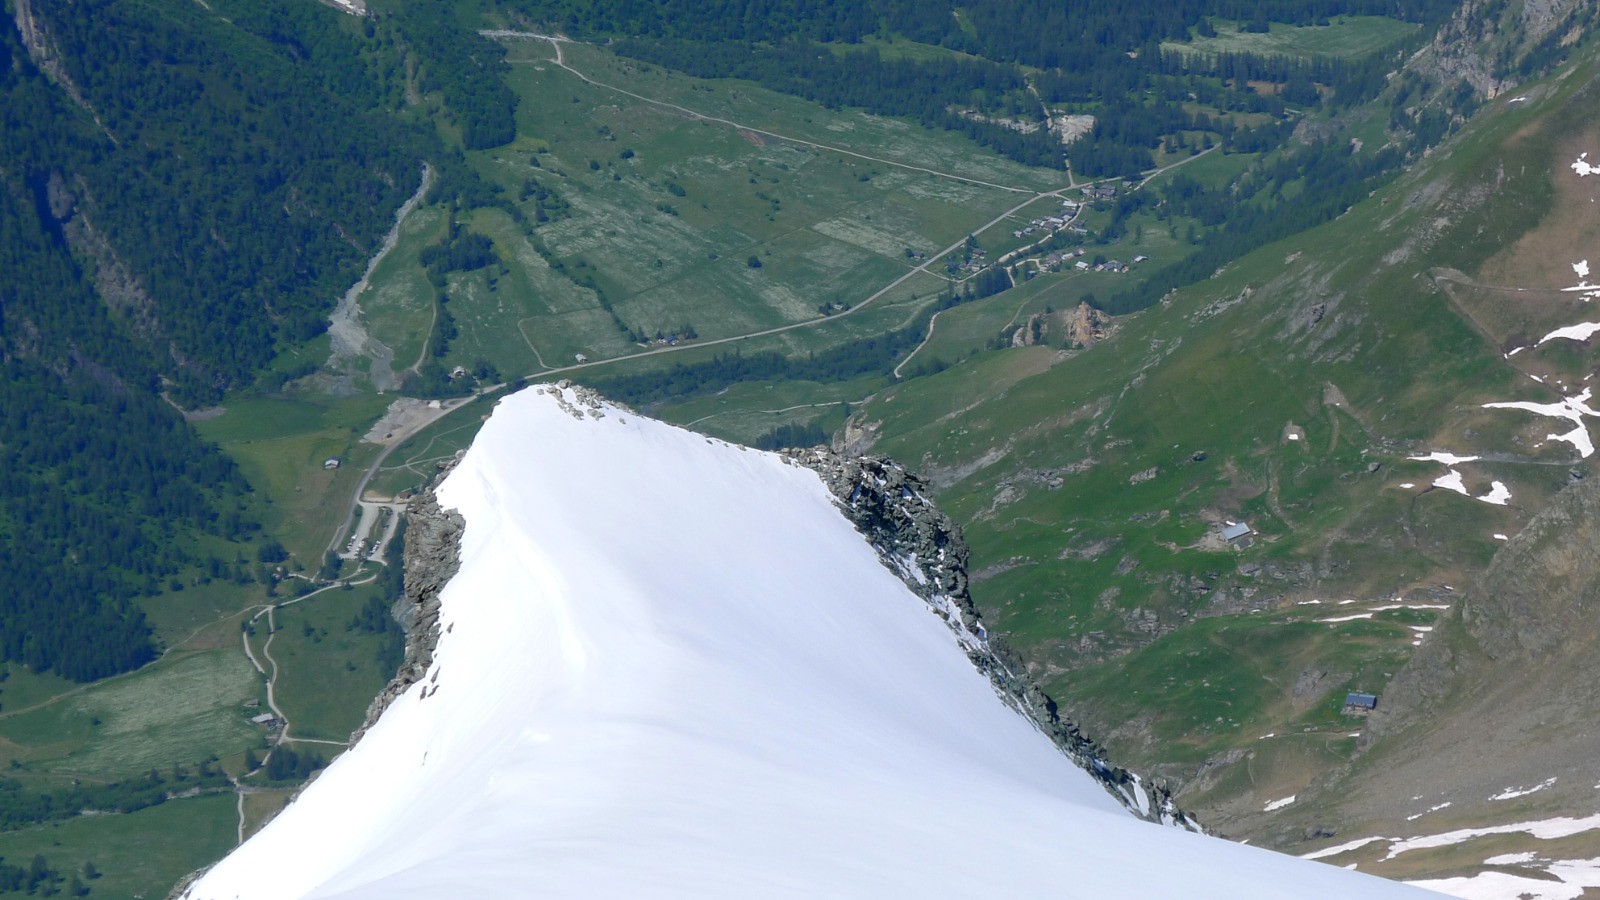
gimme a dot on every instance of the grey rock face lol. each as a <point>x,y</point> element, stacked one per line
<point>1536,602</point>
<point>1542,588</point>
<point>432,558</point>
<point>922,546</point>
<point>1308,682</point>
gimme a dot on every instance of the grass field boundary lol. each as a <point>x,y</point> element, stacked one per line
<point>556,41</point>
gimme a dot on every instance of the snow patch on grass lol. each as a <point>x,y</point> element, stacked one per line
<point>1451,481</point>
<point>1499,494</point>
<point>1574,876</point>
<point>1573,409</point>
<point>1579,332</point>
<point>1432,809</point>
<point>1513,793</point>
<point>1337,619</point>
<point>1356,844</point>
<point>1543,829</point>
<point>1511,859</point>
<point>1449,459</point>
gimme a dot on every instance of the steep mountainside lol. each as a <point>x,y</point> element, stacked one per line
<point>183,189</point>
<point>1491,724</point>
<point>1384,402</point>
<point>1492,720</point>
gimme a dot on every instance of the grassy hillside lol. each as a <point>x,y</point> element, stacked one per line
<point>1290,392</point>
<point>1486,724</point>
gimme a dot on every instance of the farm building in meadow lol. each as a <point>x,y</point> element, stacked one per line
<point>1358,704</point>
<point>1233,531</point>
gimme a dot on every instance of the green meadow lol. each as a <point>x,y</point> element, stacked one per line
<point>1349,37</point>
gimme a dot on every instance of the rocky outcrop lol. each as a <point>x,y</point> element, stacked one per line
<point>1033,331</point>
<point>923,546</point>
<point>432,558</point>
<point>42,50</point>
<point>1537,601</point>
<point>1087,326</point>
<point>1542,589</point>
<point>113,280</point>
<point>1485,43</point>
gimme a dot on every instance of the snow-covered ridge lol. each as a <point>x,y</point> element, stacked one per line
<point>669,667</point>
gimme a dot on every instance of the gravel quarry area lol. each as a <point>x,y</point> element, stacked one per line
<point>349,335</point>
<point>402,415</point>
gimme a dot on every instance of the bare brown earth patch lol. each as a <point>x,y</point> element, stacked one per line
<point>1543,258</point>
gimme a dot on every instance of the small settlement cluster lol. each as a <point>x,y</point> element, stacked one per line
<point>1067,220</point>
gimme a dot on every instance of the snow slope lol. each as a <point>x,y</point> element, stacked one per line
<point>669,667</point>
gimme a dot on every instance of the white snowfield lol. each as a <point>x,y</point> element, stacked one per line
<point>669,667</point>
<point>1573,409</point>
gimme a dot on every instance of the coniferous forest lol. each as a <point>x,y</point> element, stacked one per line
<point>177,202</point>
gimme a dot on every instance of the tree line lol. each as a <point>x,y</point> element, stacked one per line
<point>1040,33</point>
<point>465,67</point>
<point>21,806</point>
<point>1331,178</point>
<point>936,93</point>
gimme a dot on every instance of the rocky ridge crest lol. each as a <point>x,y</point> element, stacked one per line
<point>432,558</point>
<point>924,548</point>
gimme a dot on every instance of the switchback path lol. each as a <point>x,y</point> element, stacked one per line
<point>270,610</point>
<point>284,736</point>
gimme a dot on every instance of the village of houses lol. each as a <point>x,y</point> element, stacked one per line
<point>1066,221</point>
